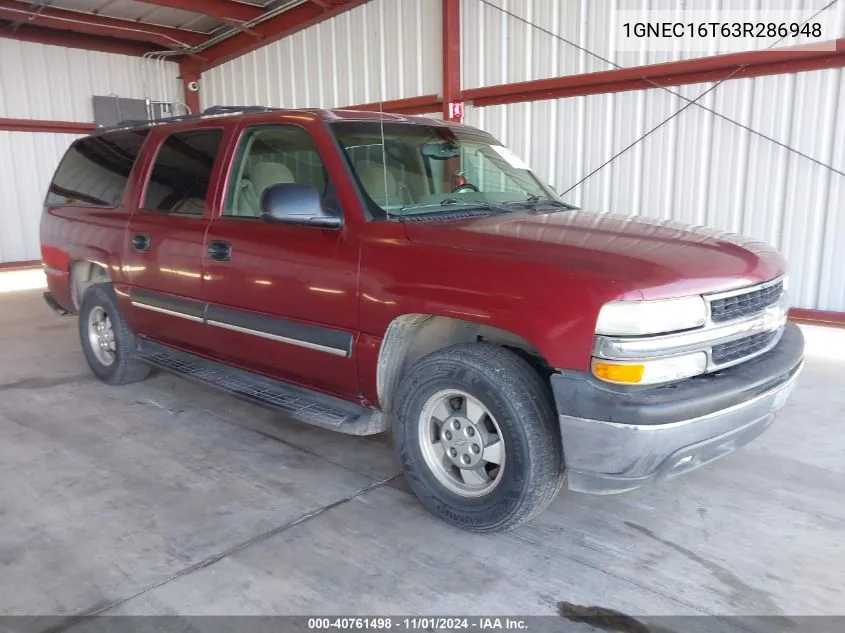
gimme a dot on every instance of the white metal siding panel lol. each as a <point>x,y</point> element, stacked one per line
<point>27,163</point>
<point>53,83</point>
<point>56,84</point>
<point>381,50</point>
<point>499,48</point>
<point>702,169</point>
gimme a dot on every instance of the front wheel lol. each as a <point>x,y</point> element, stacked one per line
<point>477,436</point>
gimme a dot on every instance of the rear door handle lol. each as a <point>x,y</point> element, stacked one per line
<point>220,251</point>
<point>141,242</point>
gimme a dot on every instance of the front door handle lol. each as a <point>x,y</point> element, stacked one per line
<point>220,251</point>
<point>141,242</point>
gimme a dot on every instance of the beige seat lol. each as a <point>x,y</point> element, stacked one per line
<point>261,175</point>
<point>382,185</point>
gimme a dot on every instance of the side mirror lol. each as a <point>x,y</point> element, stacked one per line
<point>290,203</point>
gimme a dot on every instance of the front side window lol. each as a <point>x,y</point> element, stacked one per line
<point>181,173</point>
<point>95,170</point>
<point>411,169</point>
<point>272,155</point>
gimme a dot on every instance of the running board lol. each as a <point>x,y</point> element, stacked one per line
<point>295,402</point>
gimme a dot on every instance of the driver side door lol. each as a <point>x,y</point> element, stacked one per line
<point>282,298</point>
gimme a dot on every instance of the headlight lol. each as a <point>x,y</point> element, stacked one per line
<point>634,318</point>
<point>650,372</point>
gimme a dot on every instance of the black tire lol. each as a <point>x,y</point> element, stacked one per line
<point>519,399</point>
<point>125,367</point>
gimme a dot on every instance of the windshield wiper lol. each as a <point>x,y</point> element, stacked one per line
<point>447,206</point>
<point>534,200</point>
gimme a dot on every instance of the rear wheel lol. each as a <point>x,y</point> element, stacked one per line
<point>107,341</point>
<point>477,436</point>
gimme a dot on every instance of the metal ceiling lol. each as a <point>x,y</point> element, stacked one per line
<point>143,13</point>
<point>197,29</point>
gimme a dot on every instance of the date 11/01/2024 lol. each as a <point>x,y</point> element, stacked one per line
<point>422,623</point>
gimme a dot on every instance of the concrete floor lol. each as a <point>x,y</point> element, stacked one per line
<point>169,498</point>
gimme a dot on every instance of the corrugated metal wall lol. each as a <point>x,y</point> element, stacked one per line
<point>27,162</point>
<point>381,50</point>
<point>698,168</point>
<point>703,169</point>
<point>56,84</point>
<point>499,48</point>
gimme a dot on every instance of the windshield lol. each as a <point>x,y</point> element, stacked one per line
<point>412,169</point>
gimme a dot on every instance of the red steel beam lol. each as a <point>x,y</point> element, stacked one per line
<point>703,69</point>
<point>69,39</point>
<point>37,125</point>
<point>98,25</point>
<point>189,72</point>
<point>220,9</point>
<point>24,265</point>
<point>300,17</point>
<point>451,10</point>
<point>411,105</point>
<point>817,317</point>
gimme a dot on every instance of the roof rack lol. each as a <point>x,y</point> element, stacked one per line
<point>211,111</point>
<point>221,109</point>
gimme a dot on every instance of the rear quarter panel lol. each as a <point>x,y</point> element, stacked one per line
<point>71,234</point>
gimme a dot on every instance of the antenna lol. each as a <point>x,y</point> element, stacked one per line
<point>381,91</point>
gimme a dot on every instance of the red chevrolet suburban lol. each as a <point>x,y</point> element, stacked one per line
<point>369,272</point>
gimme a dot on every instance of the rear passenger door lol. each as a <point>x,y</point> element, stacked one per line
<point>164,243</point>
<point>282,299</point>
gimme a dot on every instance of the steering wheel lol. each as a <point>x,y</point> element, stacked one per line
<point>464,188</point>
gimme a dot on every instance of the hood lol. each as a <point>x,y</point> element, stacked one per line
<point>651,258</point>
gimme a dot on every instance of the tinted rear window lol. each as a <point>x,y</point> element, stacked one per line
<point>95,170</point>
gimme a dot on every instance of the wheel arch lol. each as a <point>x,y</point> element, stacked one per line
<point>83,274</point>
<point>410,337</point>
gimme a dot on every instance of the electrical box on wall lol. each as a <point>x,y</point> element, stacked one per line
<point>111,110</point>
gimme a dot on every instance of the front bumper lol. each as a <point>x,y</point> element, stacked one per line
<point>617,439</point>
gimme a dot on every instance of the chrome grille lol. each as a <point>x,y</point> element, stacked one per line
<point>743,324</point>
<point>726,353</point>
<point>745,303</point>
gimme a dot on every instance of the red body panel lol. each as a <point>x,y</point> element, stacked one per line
<point>293,272</point>
<point>652,258</point>
<point>76,234</point>
<point>174,266</point>
<point>542,276</point>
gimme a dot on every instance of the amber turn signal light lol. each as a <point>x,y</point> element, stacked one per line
<point>615,372</point>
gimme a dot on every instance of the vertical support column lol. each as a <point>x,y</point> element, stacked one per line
<point>451,58</point>
<point>189,73</point>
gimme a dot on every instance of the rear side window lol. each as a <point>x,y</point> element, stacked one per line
<point>182,172</point>
<point>95,170</point>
